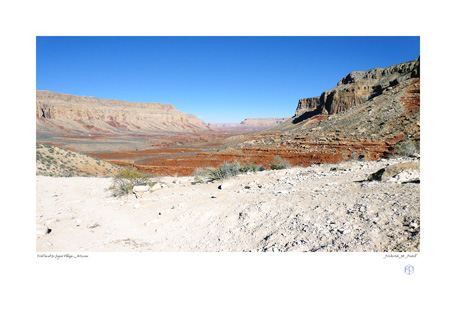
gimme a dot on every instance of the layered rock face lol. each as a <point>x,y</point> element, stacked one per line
<point>356,88</point>
<point>80,115</point>
<point>248,124</point>
<point>307,105</point>
<point>262,122</point>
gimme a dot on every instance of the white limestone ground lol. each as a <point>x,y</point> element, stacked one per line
<point>330,207</point>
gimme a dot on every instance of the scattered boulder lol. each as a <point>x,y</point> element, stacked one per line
<point>223,186</point>
<point>42,230</point>
<point>141,188</point>
<point>402,172</point>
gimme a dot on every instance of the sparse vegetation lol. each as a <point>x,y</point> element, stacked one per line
<point>126,180</point>
<point>279,163</point>
<point>58,162</point>
<point>225,171</point>
<point>406,148</point>
<point>249,167</point>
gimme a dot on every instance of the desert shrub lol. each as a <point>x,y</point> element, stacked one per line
<point>279,163</point>
<point>201,175</point>
<point>124,182</point>
<point>249,167</point>
<point>67,174</point>
<point>225,171</point>
<point>406,148</point>
<point>261,168</point>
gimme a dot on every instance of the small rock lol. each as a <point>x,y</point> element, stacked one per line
<point>141,188</point>
<point>42,230</point>
<point>223,186</point>
<point>50,221</point>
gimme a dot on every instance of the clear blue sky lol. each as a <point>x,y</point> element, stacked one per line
<point>218,79</point>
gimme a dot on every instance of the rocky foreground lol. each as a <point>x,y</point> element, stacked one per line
<point>350,206</point>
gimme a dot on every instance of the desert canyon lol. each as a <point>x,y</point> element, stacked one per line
<point>350,187</point>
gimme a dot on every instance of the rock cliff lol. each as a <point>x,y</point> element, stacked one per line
<point>248,124</point>
<point>356,88</point>
<point>262,122</point>
<point>81,115</point>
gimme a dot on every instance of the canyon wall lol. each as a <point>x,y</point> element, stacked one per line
<point>247,125</point>
<point>356,88</point>
<point>81,115</point>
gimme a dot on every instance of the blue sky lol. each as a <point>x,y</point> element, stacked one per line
<point>218,79</point>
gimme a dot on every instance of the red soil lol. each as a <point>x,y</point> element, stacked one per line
<point>186,160</point>
<point>183,154</point>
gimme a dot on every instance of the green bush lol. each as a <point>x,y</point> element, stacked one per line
<point>124,182</point>
<point>279,163</point>
<point>249,167</point>
<point>225,171</point>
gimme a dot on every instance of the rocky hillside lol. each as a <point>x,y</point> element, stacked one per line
<point>377,105</point>
<point>55,161</point>
<point>392,116</point>
<point>370,115</point>
<point>356,88</point>
<point>66,114</point>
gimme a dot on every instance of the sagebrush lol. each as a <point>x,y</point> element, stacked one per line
<point>225,171</point>
<point>279,163</point>
<point>124,181</point>
<point>407,148</point>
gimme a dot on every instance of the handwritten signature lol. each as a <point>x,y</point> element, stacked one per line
<point>400,256</point>
<point>68,256</point>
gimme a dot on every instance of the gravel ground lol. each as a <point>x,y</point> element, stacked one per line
<point>330,207</point>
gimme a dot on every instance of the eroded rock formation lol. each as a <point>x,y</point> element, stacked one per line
<point>356,88</point>
<point>81,115</point>
<point>248,124</point>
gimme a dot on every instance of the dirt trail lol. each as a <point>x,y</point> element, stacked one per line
<point>329,207</point>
